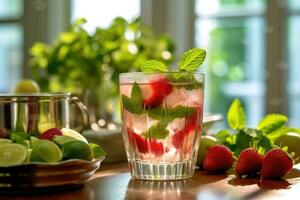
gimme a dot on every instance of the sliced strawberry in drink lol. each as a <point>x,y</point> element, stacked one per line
<point>140,142</point>
<point>145,146</point>
<point>180,135</point>
<point>192,120</point>
<point>156,148</point>
<point>191,126</point>
<point>155,93</point>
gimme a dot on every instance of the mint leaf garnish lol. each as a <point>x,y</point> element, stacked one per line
<point>20,138</point>
<point>192,59</point>
<point>272,123</point>
<point>136,97</point>
<point>236,115</point>
<point>186,78</point>
<point>128,105</point>
<point>134,103</point>
<point>158,131</point>
<point>222,136</point>
<point>193,86</point>
<point>153,66</point>
<point>169,114</point>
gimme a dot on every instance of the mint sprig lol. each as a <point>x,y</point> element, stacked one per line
<point>169,114</point>
<point>189,62</point>
<point>192,59</point>
<point>236,115</point>
<point>154,66</point>
<point>269,128</point>
<point>272,122</point>
<point>157,131</point>
<point>134,103</point>
<point>187,78</point>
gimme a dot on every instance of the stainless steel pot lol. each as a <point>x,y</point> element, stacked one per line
<point>35,113</point>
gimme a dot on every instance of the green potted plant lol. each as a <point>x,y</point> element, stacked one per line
<point>88,64</point>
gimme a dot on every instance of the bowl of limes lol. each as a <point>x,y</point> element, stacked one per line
<point>55,158</point>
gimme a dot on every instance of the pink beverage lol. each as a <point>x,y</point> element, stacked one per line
<point>162,123</point>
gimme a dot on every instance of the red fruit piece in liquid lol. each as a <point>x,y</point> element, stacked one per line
<point>156,92</point>
<point>144,145</point>
<point>190,127</point>
<point>140,142</point>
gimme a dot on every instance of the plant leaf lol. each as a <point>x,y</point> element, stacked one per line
<point>222,136</point>
<point>158,131</point>
<point>169,114</point>
<point>136,97</point>
<point>242,142</point>
<point>153,66</point>
<point>127,103</point>
<point>192,59</point>
<point>187,78</point>
<point>20,138</point>
<point>282,131</point>
<point>236,115</point>
<point>133,104</point>
<point>272,122</point>
<point>265,143</point>
<point>252,132</point>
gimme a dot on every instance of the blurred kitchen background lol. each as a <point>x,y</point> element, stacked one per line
<point>253,45</point>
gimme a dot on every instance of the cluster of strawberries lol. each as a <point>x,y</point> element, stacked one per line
<point>275,164</point>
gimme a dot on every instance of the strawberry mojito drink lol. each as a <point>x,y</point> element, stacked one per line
<point>162,123</point>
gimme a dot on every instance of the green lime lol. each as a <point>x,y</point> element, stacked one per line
<point>29,151</point>
<point>292,141</point>
<point>20,138</point>
<point>74,134</point>
<point>12,154</point>
<point>97,150</point>
<point>77,150</point>
<point>34,157</point>
<point>26,86</point>
<point>62,139</point>
<point>206,142</point>
<point>45,150</point>
<point>5,141</point>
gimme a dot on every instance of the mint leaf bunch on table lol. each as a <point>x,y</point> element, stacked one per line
<point>52,146</point>
<point>263,137</point>
<point>267,151</point>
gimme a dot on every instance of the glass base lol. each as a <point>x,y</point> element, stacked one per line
<point>162,171</point>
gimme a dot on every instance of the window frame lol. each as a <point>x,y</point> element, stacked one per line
<point>275,78</point>
<point>38,25</point>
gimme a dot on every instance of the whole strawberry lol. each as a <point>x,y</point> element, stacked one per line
<point>218,159</point>
<point>276,164</point>
<point>249,162</point>
<point>50,133</point>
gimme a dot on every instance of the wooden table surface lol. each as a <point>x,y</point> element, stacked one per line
<point>114,182</point>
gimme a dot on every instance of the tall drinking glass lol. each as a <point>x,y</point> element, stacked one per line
<point>162,123</point>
